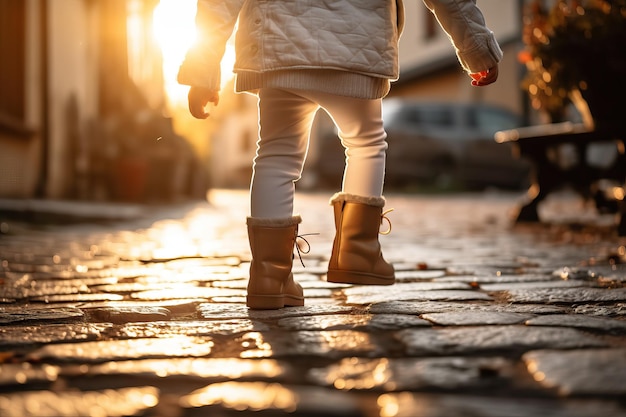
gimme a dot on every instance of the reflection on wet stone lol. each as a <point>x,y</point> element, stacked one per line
<point>213,311</point>
<point>580,372</point>
<point>120,402</point>
<point>51,333</point>
<point>314,282</point>
<point>77,298</point>
<point>337,343</point>
<point>244,396</point>
<point>26,373</point>
<point>214,368</point>
<point>377,296</point>
<point>406,404</point>
<point>421,307</point>
<point>38,289</point>
<point>130,287</point>
<point>569,273</point>
<point>240,284</point>
<point>272,398</point>
<point>417,274</point>
<point>317,293</point>
<point>353,321</point>
<point>131,314</point>
<point>19,314</point>
<point>580,321</point>
<point>225,311</point>
<point>186,291</point>
<point>395,322</point>
<point>326,322</point>
<point>467,340</point>
<point>398,374</point>
<point>567,295</point>
<point>473,318</point>
<point>109,350</point>
<point>83,279</point>
<point>187,328</point>
<point>530,285</point>
<point>177,306</point>
<point>304,311</point>
<point>400,288</point>
<point>495,278</point>
<point>616,309</point>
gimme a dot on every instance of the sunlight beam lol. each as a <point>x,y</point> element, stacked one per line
<point>175,31</point>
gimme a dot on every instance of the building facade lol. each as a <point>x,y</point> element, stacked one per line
<point>430,70</point>
<point>48,91</point>
<point>81,104</point>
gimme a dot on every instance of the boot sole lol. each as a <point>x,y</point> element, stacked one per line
<point>273,302</point>
<point>358,278</point>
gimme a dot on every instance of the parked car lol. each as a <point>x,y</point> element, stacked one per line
<point>441,144</point>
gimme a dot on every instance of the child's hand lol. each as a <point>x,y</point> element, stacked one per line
<point>199,97</point>
<point>483,78</point>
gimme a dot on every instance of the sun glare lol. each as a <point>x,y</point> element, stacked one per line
<point>174,30</point>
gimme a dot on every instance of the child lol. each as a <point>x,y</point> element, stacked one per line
<point>298,57</point>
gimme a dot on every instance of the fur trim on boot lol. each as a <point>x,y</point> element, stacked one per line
<point>281,222</point>
<point>353,198</point>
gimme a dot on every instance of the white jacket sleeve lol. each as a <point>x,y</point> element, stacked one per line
<point>215,22</point>
<point>475,45</point>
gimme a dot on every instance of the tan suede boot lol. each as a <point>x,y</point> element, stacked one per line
<point>356,257</point>
<point>271,284</point>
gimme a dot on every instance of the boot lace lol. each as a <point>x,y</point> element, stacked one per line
<point>303,246</point>
<point>384,217</point>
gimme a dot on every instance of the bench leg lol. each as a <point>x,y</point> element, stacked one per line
<point>528,213</point>
<point>621,227</point>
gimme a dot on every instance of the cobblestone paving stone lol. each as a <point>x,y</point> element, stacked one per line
<point>147,317</point>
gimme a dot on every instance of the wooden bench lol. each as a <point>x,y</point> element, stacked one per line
<point>544,147</point>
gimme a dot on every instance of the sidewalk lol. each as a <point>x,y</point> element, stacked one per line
<point>143,315</point>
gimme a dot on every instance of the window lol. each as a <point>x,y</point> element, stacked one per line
<point>491,120</point>
<point>437,116</point>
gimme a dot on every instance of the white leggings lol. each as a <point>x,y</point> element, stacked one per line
<point>285,119</point>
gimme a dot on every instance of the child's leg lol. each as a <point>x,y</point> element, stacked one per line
<point>356,257</point>
<point>285,120</point>
<point>361,131</point>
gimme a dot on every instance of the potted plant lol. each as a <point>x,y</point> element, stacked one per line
<point>575,54</point>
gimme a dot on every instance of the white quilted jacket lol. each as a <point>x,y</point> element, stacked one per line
<point>349,43</point>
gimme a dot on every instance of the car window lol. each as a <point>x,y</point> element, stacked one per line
<point>437,116</point>
<point>427,116</point>
<point>411,115</point>
<point>492,120</point>
<point>449,117</point>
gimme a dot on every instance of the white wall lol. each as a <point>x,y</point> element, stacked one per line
<point>72,75</point>
<point>501,17</point>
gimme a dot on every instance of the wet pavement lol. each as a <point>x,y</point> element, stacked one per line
<point>144,315</point>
